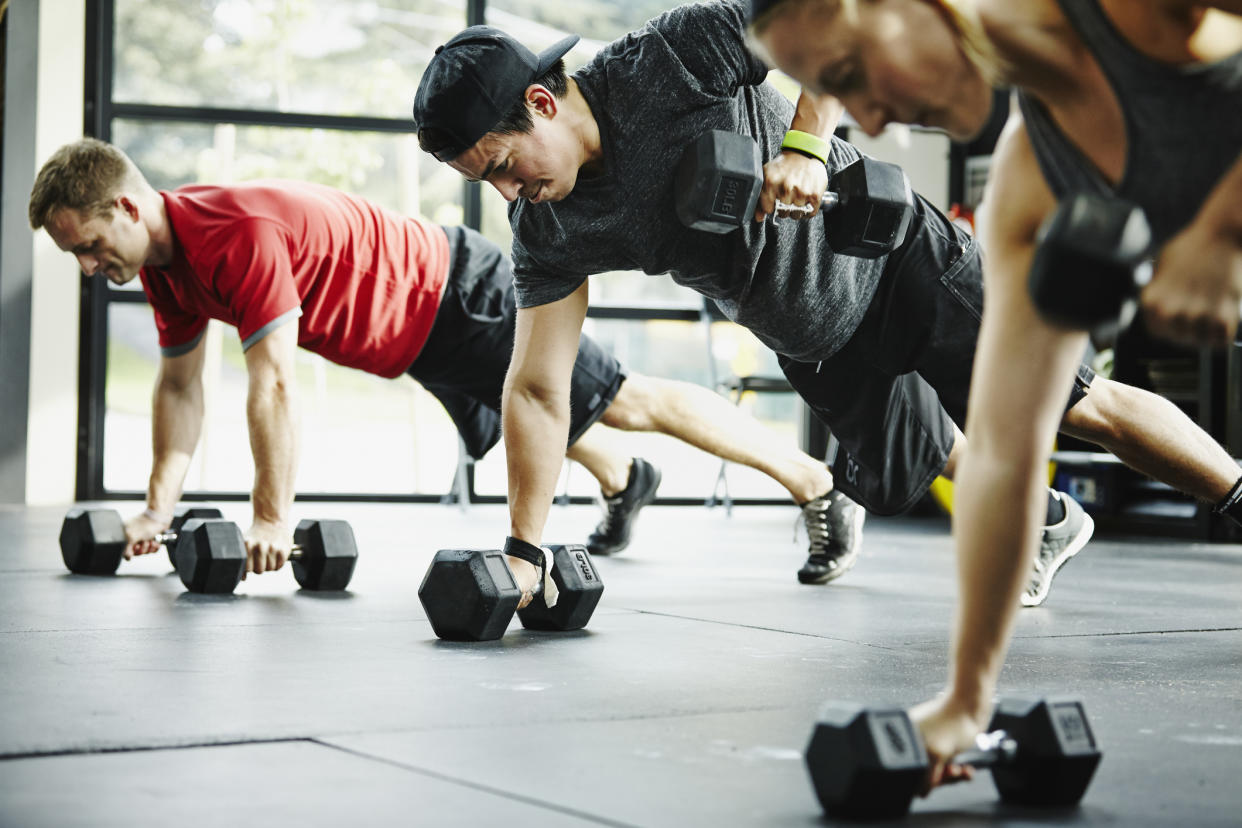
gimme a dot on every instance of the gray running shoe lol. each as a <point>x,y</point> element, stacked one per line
<point>834,525</point>
<point>1060,542</point>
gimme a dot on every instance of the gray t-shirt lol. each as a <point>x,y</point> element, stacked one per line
<point>652,93</point>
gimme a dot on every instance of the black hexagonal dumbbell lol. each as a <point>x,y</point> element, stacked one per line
<point>211,555</point>
<point>720,176</point>
<point>471,595</point>
<point>1091,261</point>
<point>92,541</point>
<point>869,764</point>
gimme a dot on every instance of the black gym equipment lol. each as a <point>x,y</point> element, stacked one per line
<point>1091,260</point>
<point>209,553</point>
<point>471,595</point>
<point>92,541</point>
<point>720,176</point>
<point>869,764</point>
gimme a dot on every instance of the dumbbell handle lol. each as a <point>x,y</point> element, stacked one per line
<point>991,749</point>
<point>830,200</point>
<point>171,537</point>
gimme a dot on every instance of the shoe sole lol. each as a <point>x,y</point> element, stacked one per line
<point>647,500</point>
<point>856,532</point>
<point>1075,546</point>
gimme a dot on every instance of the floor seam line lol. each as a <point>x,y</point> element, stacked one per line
<point>453,780</point>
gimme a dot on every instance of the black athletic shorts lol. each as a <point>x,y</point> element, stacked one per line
<point>464,360</point>
<point>892,394</point>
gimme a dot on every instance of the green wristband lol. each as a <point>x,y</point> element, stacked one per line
<point>812,146</point>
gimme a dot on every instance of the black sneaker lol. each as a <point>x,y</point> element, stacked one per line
<point>834,525</point>
<point>613,533</point>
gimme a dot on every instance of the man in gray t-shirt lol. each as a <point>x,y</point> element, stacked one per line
<point>880,349</point>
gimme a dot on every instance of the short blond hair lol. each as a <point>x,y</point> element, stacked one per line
<point>961,14</point>
<point>85,175</point>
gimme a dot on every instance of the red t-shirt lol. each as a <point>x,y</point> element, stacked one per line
<point>365,281</point>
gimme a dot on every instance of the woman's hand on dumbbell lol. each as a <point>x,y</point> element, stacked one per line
<point>795,180</point>
<point>1194,295</point>
<point>140,534</point>
<point>268,545</point>
<point>947,730</point>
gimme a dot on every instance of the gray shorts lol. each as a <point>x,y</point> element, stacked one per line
<point>464,361</point>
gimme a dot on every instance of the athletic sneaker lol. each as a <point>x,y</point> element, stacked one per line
<point>613,533</point>
<point>834,525</point>
<point>1060,542</point>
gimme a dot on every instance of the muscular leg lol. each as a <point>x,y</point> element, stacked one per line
<point>606,463</point>
<point>702,418</point>
<point>1153,436</point>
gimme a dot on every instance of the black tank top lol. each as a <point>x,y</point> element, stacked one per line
<point>1183,126</point>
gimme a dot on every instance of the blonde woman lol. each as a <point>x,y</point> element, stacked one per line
<point>1140,99</point>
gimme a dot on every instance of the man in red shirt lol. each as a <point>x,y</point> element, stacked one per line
<point>291,264</point>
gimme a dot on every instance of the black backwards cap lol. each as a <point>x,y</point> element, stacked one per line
<point>474,80</point>
<point>758,7</point>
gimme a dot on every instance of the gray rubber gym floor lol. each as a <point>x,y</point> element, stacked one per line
<point>688,701</point>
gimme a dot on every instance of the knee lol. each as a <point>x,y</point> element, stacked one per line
<point>632,408</point>
<point>1100,416</point>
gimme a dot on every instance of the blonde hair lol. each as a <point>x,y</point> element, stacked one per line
<point>85,175</point>
<point>962,15</point>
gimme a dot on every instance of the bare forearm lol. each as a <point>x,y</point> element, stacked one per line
<point>995,548</point>
<point>1222,212</point>
<point>176,423</point>
<point>536,433</point>
<point>272,413</point>
<point>817,115</point>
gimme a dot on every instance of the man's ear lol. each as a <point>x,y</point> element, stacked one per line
<point>541,101</point>
<point>126,206</point>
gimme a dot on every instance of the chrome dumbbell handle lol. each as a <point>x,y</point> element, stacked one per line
<point>995,748</point>
<point>826,203</point>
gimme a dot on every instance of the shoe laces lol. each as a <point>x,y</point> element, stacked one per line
<point>815,517</point>
<point>613,508</point>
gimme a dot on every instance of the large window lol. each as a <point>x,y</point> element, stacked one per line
<point>221,91</point>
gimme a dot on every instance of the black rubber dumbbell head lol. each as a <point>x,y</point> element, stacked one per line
<point>865,764</point>
<point>874,210</point>
<point>92,541</point>
<point>211,555</point>
<point>180,515</point>
<point>1057,752</point>
<point>718,181</point>
<point>327,554</point>
<point>469,594</point>
<point>580,589</point>
<point>1087,265</point>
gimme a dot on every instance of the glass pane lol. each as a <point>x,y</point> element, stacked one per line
<point>540,23</point>
<point>317,56</point>
<point>409,445</point>
<point>678,350</point>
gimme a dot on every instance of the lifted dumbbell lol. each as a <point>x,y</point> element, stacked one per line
<point>720,176</point>
<point>1091,261</point>
<point>211,555</point>
<point>471,595</point>
<point>92,541</point>
<point>869,764</point>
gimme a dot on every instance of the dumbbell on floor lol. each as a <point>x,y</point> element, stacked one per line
<point>869,764</point>
<point>211,555</point>
<point>471,595</point>
<point>92,541</point>
<point>720,177</point>
<point>1091,261</point>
